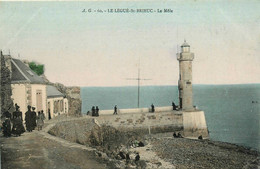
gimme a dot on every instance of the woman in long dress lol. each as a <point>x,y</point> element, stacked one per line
<point>18,127</point>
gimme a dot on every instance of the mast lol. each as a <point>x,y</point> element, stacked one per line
<point>138,84</point>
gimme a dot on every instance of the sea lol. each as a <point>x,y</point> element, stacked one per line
<point>232,111</point>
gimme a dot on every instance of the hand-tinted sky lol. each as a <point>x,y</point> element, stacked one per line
<point>101,49</point>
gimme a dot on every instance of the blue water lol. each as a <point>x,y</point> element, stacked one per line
<point>231,116</point>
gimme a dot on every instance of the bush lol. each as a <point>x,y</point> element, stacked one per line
<point>37,68</point>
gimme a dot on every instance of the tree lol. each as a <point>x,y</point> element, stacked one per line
<point>37,68</point>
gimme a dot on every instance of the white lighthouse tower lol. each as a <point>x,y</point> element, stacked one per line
<point>185,59</point>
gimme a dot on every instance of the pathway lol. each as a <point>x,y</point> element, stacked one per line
<point>43,151</point>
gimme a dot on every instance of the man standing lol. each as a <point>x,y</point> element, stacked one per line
<point>173,106</point>
<point>115,110</point>
<point>97,110</point>
<point>28,119</point>
<point>152,106</point>
<point>93,111</point>
<point>34,116</point>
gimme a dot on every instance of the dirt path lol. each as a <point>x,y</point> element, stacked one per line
<point>42,151</point>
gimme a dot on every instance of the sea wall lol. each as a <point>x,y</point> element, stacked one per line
<point>87,128</point>
<point>147,122</point>
<point>80,130</point>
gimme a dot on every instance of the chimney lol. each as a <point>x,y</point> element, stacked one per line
<point>8,59</point>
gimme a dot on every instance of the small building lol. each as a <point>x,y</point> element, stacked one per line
<point>30,89</point>
<point>57,103</point>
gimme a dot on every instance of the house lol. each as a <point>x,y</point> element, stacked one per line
<point>30,89</point>
<point>57,103</point>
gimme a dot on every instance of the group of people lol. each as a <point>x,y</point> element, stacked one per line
<point>177,135</point>
<point>13,123</point>
<point>174,107</point>
<point>94,111</point>
<point>32,120</point>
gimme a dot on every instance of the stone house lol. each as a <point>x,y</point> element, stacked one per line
<point>57,103</point>
<point>30,89</point>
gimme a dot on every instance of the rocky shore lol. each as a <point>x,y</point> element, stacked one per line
<point>108,147</point>
<point>189,153</point>
<point>159,150</point>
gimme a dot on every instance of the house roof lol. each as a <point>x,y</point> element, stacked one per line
<point>22,73</point>
<point>53,92</point>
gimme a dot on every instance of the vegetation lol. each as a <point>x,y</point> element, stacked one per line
<point>37,68</point>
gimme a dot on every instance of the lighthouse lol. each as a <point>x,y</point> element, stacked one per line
<point>185,59</point>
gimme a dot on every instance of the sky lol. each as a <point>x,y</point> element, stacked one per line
<point>105,49</point>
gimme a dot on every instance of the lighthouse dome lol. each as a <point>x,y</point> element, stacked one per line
<point>185,44</point>
<point>185,47</point>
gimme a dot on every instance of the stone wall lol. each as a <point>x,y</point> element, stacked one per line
<point>77,131</point>
<point>150,122</point>
<point>82,130</point>
<point>6,90</point>
<point>73,96</point>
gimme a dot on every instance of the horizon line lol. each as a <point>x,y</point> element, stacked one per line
<point>176,85</point>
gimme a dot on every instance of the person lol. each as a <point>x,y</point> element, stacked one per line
<point>115,110</point>
<point>40,120</point>
<point>34,116</point>
<point>18,127</point>
<point>152,107</point>
<point>97,110</point>
<point>7,114</point>
<point>121,154</point>
<point>127,157</point>
<point>93,111</point>
<point>175,135</point>
<point>49,113</point>
<point>179,135</point>
<point>15,113</point>
<point>19,114</point>
<point>137,157</point>
<point>28,119</point>
<point>7,126</point>
<point>173,106</point>
<point>140,144</point>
